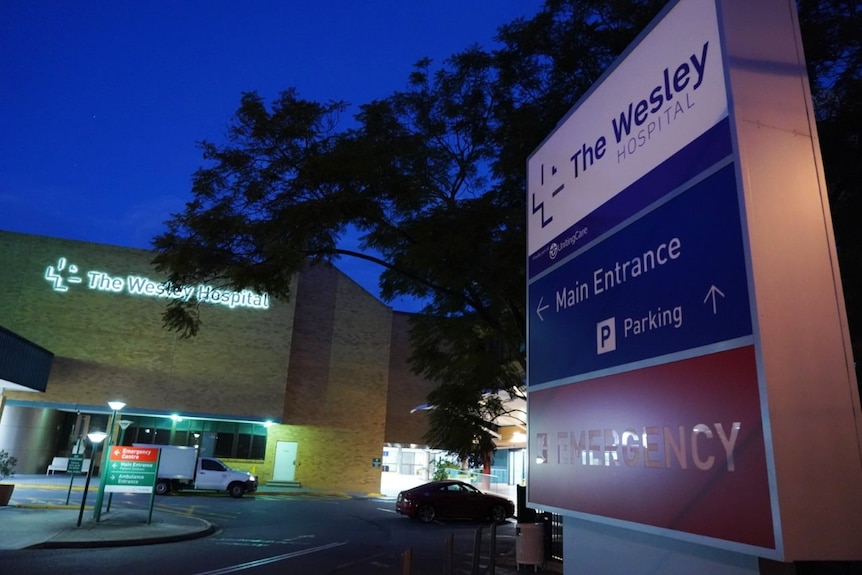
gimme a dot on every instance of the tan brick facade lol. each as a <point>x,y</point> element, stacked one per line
<point>109,345</point>
<point>406,390</point>
<point>327,364</point>
<point>337,385</point>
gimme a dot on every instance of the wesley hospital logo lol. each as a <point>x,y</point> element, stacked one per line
<point>62,274</point>
<point>65,274</point>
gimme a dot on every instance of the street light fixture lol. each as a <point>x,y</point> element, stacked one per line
<point>96,437</point>
<point>124,425</point>
<point>116,405</point>
<point>100,494</point>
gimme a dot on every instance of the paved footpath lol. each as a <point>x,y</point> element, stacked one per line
<point>49,523</point>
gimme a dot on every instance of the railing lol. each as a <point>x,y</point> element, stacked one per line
<point>553,535</point>
<point>477,566</point>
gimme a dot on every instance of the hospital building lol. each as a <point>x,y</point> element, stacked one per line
<point>314,390</point>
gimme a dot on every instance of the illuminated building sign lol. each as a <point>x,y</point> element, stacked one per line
<point>64,274</point>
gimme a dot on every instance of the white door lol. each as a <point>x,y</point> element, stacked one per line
<point>284,468</point>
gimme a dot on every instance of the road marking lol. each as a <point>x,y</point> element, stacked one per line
<point>386,510</point>
<point>275,559</point>
<point>246,542</point>
<point>195,511</point>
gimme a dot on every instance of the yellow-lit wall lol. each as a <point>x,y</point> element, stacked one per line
<point>113,345</point>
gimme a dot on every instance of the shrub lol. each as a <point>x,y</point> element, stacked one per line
<point>7,464</point>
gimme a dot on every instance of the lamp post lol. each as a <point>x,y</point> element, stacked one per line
<point>96,437</point>
<point>100,494</point>
<point>123,423</point>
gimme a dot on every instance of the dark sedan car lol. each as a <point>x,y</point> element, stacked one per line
<point>452,498</point>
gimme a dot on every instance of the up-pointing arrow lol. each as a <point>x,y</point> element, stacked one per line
<point>712,293</point>
<point>541,308</point>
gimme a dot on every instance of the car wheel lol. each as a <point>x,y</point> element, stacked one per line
<point>163,488</point>
<point>236,490</point>
<point>426,513</point>
<point>498,514</point>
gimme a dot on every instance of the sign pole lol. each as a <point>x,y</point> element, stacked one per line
<point>69,493</point>
<point>96,438</point>
<point>100,494</point>
<point>153,491</point>
<point>124,423</point>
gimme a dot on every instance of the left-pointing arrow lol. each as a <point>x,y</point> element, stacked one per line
<point>541,308</point>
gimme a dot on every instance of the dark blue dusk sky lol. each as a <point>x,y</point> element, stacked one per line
<point>102,102</point>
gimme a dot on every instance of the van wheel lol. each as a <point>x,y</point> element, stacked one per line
<point>163,488</point>
<point>236,489</point>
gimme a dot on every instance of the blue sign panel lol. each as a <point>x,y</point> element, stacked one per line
<point>671,281</point>
<point>700,155</point>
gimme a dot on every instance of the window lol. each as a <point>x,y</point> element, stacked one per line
<point>227,439</point>
<point>211,465</point>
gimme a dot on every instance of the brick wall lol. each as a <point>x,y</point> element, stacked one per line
<point>332,366</point>
<point>113,346</point>
<point>337,385</point>
<point>406,390</point>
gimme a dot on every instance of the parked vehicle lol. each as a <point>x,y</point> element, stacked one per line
<point>451,498</point>
<point>182,468</point>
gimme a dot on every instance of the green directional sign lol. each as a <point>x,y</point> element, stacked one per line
<point>131,469</point>
<point>76,463</point>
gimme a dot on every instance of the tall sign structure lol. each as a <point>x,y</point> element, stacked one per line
<point>689,366</point>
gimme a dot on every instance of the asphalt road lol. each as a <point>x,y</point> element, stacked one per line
<point>265,534</point>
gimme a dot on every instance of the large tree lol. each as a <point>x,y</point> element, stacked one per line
<point>833,50</point>
<point>433,180</point>
<point>413,178</point>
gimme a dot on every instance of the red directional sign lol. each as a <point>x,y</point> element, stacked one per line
<point>142,454</point>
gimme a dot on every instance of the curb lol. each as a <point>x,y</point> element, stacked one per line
<point>60,544</point>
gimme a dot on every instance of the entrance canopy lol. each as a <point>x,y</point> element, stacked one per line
<point>24,366</point>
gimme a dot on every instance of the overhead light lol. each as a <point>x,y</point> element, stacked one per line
<point>97,436</point>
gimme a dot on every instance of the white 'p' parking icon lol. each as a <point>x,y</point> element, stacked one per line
<point>606,336</point>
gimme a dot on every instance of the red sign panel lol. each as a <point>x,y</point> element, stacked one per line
<point>139,454</point>
<point>677,446</point>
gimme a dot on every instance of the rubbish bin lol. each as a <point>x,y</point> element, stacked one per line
<point>530,544</point>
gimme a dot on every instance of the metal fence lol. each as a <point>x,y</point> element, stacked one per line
<point>553,531</point>
<point>553,535</point>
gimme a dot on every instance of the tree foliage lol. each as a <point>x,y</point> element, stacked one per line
<point>433,179</point>
<point>833,50</point>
